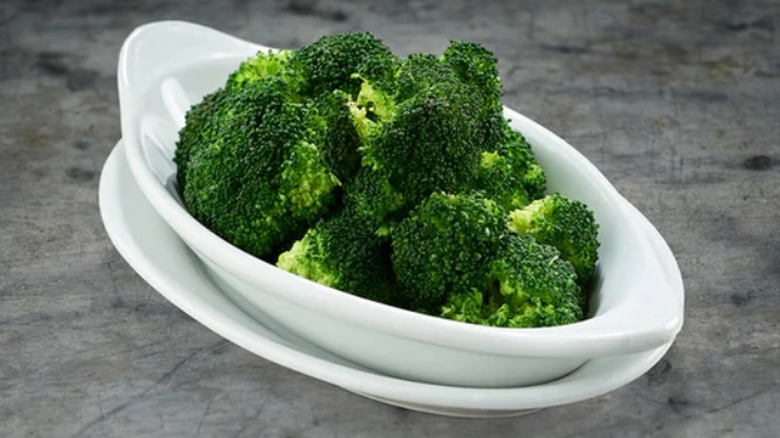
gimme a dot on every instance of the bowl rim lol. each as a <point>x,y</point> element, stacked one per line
<point>586,338</point>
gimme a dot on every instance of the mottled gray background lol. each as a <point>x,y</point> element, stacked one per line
<point>677,103</point>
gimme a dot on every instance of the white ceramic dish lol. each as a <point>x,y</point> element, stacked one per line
<point>166,263</point>
<point>638,299</point>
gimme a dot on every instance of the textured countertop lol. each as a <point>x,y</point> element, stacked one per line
<point>677,103</point>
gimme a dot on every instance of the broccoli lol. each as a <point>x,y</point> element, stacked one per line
<point>263,66</point>
<point>255,175</point>
<point>199,130</point>
<point>528,285</point>
<point>343,252</point>
<point>566,224</point>
<point>371,197</point>
<point>421,71</point>
<point>338,62</point>
<point>341,141</point>
<point>428,142</point>
<point>509,173</point>
<point>476,66</point>
<point>432,144</point>
<point>427,133</point>
<point>454,256</point>
<point>442,247</point>
<point>398,180</point>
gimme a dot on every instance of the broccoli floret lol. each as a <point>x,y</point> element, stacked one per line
<point>509,173</point>
<point>431,144</point>
<point>369,111</point>
<point>263,66</point>
<point>520,154</point>
<point>341,141</point>
<point>256,177</point>
<point>421,71</point>
<point>528,285</point>
<point>343,252</point>
<point>476,66</point>
<point>425,134</point>
<point>338,62</point>
<point>565,224</point>
<point>442,246</point>
<point>429,134</point>
<point>199,130</point>
<point>371,197</point>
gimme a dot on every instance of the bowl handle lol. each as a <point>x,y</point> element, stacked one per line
<point>159,47</point>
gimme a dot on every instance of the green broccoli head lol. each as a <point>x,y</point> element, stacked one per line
<point>371,197</point>
<point>265,65</point>
<point>256,177</point>
<point>431,144</point>
<point>565,224</point>
<point>199,130</point>
<point>340,140</point>
<point>476,66</point>
<point>514,146</point>
<point>420,72</point>
<point>509,173</point>
<point>442,246</point>
<point>427,132</point>
<point>528,285</point>
<point>337,62</point>
<point>343,252</point>
<point>372,107</point>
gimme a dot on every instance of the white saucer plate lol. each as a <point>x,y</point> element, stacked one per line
<point>160,257</point>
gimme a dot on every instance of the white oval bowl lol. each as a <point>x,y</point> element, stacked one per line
<point>637,302</point>
<point>159,256</point>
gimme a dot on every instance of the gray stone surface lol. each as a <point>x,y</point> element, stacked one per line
<point>677,103</point>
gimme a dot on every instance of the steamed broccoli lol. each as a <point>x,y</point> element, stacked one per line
<point>425,134</point>
<point>341,141</point>
<point>343,252</point>
<point>371,197</point>
<point>442,247</point>
<point>255,175</point>
<point>432,144</point>
<point>338,62</point>
<point>455,257</point>
<point>477,67</point>
<point>200,129</point>
<point>263,66</point>
<point>566,224</point>
<point>527,285</point>
<point>509,173</point>
<point>421,71</point>
<point>388,178</point>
